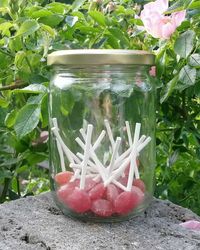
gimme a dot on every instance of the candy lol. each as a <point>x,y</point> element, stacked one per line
<point>124,203</point>
<point>127,201</point>
<point>118,190</point>
<point>102,207</point>
<point>89,184</point>
<point>138,195</point>
<point>64,191</point>
<point>140,184</point>
<point>79,201</point>
<point>111,193</point>
<point>63,177</point>
<point>123,180</point>
<point>97,191</point>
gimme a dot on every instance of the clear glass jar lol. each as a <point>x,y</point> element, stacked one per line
<point>102,125</point>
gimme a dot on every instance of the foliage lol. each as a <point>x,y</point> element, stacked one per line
<point>29,30</point>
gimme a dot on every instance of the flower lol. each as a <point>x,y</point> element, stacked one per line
<point>156,23</point>
<point>191,224</point>
<point>152,71</point>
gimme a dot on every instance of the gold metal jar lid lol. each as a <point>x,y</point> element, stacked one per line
<point>100,57</point>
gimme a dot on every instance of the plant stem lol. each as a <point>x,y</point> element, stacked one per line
<point>26,58</point>
<point>13,86</point>
<point>18,186</point>
<point>5,190</point>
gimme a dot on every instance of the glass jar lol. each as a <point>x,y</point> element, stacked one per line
<point>102,125</point>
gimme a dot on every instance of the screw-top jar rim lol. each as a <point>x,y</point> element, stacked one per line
<point>100,57</point>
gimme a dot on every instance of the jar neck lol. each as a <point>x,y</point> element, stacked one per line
<point>101,68</point>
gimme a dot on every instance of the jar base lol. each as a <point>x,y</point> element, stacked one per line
<point>89,217</point>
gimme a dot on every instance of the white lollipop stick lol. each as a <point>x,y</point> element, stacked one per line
<point>137,133</point>
<point>118,172</point>
<point>128,130</point>
<point>114,154</point>
<point>76,174</point>
<point>109,131</point>
<point>86,155</point>
<point>90,163</point>
<point>55,123</point>
<point>122,157</point>
<point>82,133</point>
<point>60,151</point>
<point>97,178</point>
<point>75,166</point>
<point>70,155</point>
<point>118,184</point>
<point>98,164</point>
<point>85,123</point>
<point>142,145</point>
<point>133,166</point>
<point>99,139</point>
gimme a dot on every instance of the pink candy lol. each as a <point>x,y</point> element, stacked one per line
<point>140,184</point>
<point>102,201</point>
<point>97,191</point>
<point>79,201</point>
<point>112,193</point>
<point>102,208</point>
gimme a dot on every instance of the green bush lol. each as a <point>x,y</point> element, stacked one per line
<point>29,30</point>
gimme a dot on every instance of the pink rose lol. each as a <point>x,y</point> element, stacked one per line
<point>156,23</point>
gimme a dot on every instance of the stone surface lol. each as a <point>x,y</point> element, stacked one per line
<point>36,223</point>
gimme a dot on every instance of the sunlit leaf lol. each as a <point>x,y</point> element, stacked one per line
<point>27,28</point>
<point>184,44</point>
<point>27,119</point>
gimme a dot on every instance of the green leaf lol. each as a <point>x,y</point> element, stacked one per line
<point>4,3</point>
<point>117,33</point>
<point>35,157</point>
<point>178,6</point>
<point>19,58</point>
<point>35,99</point>
<point>77,4</point>
<point>113,42</point>
<point>98,17</point>
<point>52,20</point>
<point>28,27</point>
<point>44,111</point>
<point>4,27</point>
<point>41,13</point>
<point>27,119</point>
<point>15,44</point>
<point>194,60</point>
<point>32,88</point>
<point>3,102</point>
<point>168,89</point>
<point>5,174</point>
<point>11,118</point>
<point>58,8</point>
<point>10,162</point>
<point>184,44</point>
<point>194,5</point>
<point>67,102</point>
<point>48,29</point>
<point>187,77</point>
